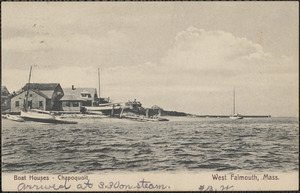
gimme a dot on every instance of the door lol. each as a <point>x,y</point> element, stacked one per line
<point>29,104</point>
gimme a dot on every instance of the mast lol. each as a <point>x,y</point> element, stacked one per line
<point>26,100</point>
<point>234,101</point>
<point>99,84</point>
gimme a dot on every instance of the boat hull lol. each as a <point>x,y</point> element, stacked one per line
<point>234,118</point>
<point>105,108</point>
<point>44,118</point>
<point>38,119</point>
<point>14,118</point>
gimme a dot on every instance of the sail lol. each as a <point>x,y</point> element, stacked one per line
<point>234,115</point>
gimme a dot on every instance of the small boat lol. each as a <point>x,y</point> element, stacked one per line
<point>153,119</point>
<point>103,108</point>
<point>95,113</point>
<point>44,117</point>
<point>163,119</point>
<point>143,118</point>
<point>235,115</point>
<point>14,118</point>
<point>37,116</point>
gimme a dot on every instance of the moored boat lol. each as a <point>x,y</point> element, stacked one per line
<point>106,109</point>
<point>163,119</point>
<point>36,116</point>
<point>14,118</point>
<point>235,116</point>
<point>143,118</point>
<point>103,108</point>
<point>44,117</point>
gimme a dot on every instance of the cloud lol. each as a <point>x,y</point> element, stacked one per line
<point>196,74</point>
<point>219,59</point>
<point>210,50</point>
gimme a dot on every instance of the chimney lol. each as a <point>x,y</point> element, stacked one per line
<point>73,88</point>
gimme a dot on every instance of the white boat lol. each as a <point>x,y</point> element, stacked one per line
<point>102,108</point>
<point>44,117</point>
<point>14,118</point>
<point>37,116</point>
<point>106,110</point>
<point>235,116</point>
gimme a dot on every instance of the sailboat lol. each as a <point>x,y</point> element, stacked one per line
<point>105,108</point>
<point>40,116</point>
<point>235,115</point>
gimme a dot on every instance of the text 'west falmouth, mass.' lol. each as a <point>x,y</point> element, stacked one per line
<point>244,177</point>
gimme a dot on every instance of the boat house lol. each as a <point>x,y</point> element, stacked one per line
<point>71,103</point>
<point>75,98</point>
<point>5,99</point>
<point>43,96</point>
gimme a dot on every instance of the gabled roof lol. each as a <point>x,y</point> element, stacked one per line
<point>36,91</point>
<point>41,86</point>
<point>77,92</point>
<point>4,91</point>
<point>47,89</point>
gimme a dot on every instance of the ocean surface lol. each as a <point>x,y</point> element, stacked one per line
<point>182,144</point>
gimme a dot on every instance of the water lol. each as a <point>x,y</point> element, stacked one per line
<point>182,144</point>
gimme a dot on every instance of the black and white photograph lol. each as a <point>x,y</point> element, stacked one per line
<point>150,96</point>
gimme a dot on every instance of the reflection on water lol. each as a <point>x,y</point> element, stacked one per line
<point>183,144</point>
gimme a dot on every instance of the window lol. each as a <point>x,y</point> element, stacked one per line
<point>86,95</point>
<point>75,104</point>
<point>41,104</point>
<point>30,95</point>
<point>17,103</point>
<point>87,103</point>
<point>68,103</point>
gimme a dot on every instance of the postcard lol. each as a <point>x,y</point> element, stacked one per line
<point>150,96</point>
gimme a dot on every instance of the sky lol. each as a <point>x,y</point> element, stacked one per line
<point>183,56</point>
